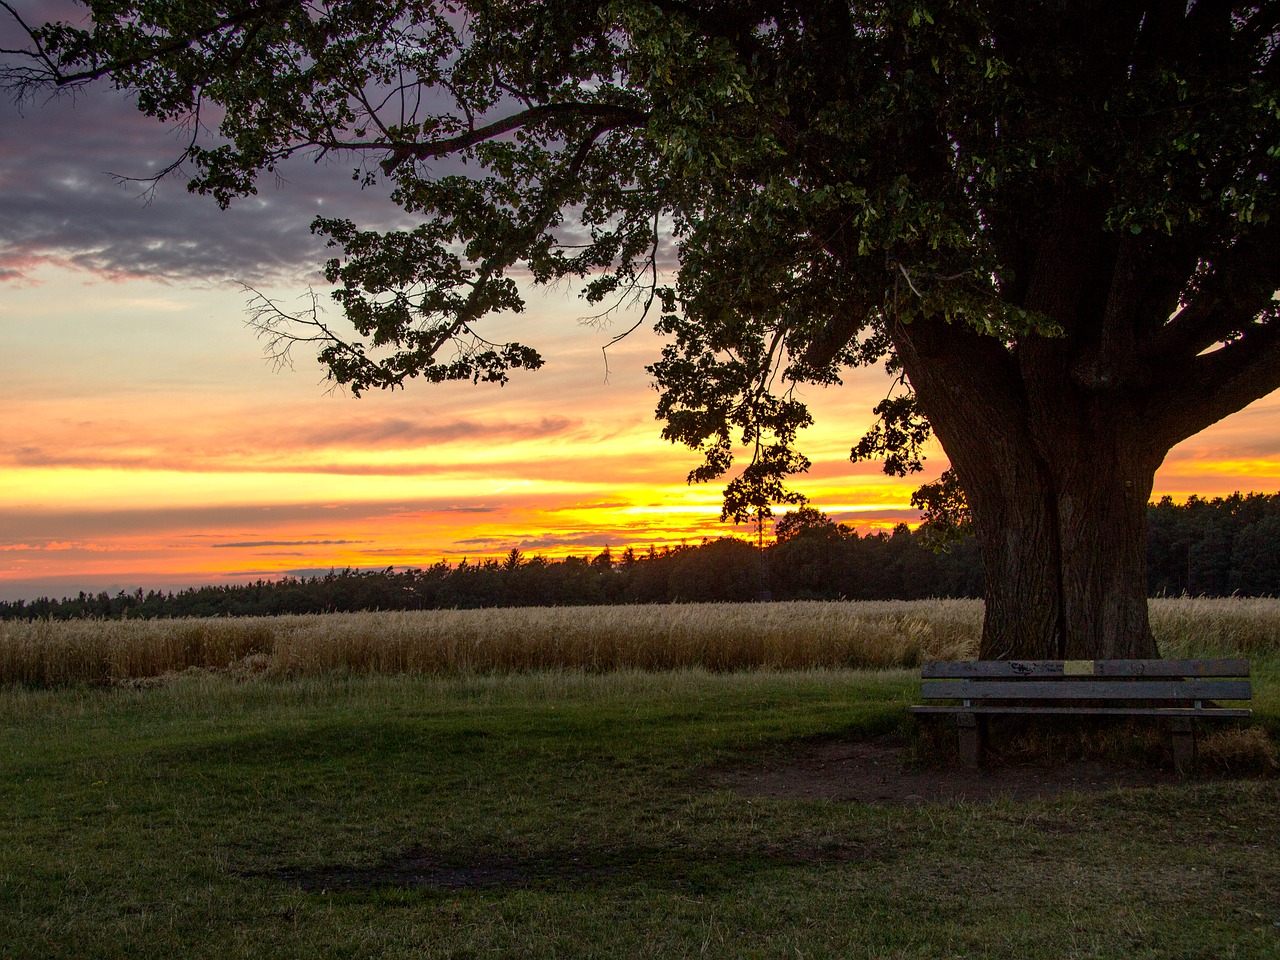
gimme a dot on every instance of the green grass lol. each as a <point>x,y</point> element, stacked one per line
<point>214,818</point>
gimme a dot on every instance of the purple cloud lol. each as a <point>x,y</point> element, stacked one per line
<point>62,160</point>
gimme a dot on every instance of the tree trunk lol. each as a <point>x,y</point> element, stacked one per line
<point>1057,478</point>
<point>1064,551</point>
<point>1102,491</point>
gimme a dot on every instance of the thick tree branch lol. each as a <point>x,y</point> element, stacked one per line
<point>1204,323</point>
<point>614,115</point>
<point>971,375</point>
<point>1241,287</point>
<point>59,79</point>
<point>1220,383</point>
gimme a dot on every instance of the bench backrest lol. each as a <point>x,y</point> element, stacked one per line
<point>1084,668</point>
<point>1176,680</point>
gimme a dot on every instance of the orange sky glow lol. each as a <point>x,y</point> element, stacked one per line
<point>147,443</point>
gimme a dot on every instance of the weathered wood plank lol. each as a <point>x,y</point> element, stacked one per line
<point>1074,687</point>
<point>1090,689</point>
<point>1099,668</point>
<point>1172,668</point>
<point>1224,712</point>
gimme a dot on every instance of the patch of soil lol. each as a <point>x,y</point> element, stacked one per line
<point>880,771</point>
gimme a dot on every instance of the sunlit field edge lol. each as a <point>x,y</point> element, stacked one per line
<point>716,637</point>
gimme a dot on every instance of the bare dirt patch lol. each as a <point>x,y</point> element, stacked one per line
<point>881,770</point>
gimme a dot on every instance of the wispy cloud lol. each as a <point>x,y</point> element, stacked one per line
<point>398,433</point>
<point>591,505</point>
<point>53,546</point>
<point>234,447</point>
<point>596,539</point>
<point>282,543</point>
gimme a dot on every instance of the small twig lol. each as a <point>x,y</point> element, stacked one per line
<point>907,276</point>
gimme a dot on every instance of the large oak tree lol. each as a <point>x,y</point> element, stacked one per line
<point>1054,220</point>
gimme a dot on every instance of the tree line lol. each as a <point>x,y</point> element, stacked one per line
<point>1213,547</point>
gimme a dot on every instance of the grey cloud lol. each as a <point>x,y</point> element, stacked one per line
<point>223,465</point>
<point>62,205</point>
<point>1241,448</point>
<point>854,517</point>
<point>192,524</point>
<point>572,232</point>
<point>591,539</point>
<point>417,514</point>
<point>399,432</point>
<point>390,433</point>
<point>71,194</point>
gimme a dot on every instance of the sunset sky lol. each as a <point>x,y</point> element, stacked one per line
<point>146,442</point>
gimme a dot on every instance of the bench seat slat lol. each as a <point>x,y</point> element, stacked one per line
<point>1092,711</point>
<point>940,670</point>
<point>1177,691</point>
<point>1087,690</point>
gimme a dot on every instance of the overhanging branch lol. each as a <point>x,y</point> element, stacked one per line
<point>609,114</point>
<point>57,78</point>
<point>1220,383</point>
<point>1244,279</point>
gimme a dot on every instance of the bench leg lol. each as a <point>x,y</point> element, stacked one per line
<point>972,731</point>
<point>1184,744</point>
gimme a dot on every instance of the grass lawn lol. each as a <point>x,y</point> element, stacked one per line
<point>573,816</point>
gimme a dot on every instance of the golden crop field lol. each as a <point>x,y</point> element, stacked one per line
<point>795,635</point>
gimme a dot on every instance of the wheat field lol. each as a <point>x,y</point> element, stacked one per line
<point>731,636</point>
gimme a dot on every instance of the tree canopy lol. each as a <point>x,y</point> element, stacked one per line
<point>1053,221</point>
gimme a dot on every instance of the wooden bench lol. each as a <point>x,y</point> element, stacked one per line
<point>1182,691</point>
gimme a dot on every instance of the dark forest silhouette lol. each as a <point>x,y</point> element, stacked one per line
<point>1218,547</point>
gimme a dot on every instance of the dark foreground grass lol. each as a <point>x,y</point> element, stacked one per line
<point>572,816</point>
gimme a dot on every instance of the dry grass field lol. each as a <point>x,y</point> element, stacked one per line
<point>717,637</point>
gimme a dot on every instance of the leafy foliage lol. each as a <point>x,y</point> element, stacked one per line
<point>944,510</point>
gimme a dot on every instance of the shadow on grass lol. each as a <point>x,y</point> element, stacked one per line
<point>665,868</point>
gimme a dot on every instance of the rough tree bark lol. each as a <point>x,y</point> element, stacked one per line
<point>1058,493</point>
<point>1053,440</point>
